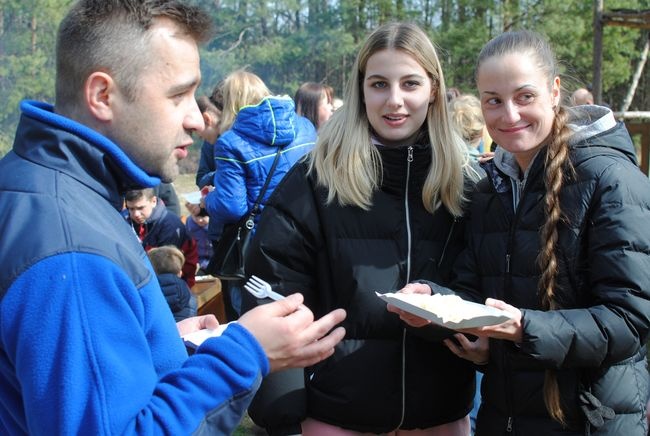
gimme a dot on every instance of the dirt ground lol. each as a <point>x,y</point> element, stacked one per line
<point>184,184</point>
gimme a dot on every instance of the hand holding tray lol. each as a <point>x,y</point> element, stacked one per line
<point>447,310</point>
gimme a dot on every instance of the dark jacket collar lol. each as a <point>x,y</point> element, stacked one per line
<point>397,168</point>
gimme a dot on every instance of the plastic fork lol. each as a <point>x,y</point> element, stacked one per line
<point>260,289</point>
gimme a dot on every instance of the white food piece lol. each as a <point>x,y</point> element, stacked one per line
<point>449,308</point>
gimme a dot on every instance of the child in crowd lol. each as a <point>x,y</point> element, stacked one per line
<point>197,227</point>
<point>168,262</point>
<point>155,226</point>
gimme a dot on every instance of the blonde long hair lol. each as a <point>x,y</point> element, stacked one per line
<point>240,88</point>
<point>348,164</point>
<point>557,166</point>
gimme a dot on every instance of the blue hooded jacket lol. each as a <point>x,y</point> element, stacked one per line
<point>244,155</point>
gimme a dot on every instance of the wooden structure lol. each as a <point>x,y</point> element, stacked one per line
<point>642,129</point>
<point>637,123</point>
<point>209,298</point>
<point>638,19</point>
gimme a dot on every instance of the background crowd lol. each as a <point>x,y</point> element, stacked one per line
<point>518,197</point>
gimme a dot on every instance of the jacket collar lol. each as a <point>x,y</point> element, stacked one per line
<point>60,143</point>
<point>404,163</point>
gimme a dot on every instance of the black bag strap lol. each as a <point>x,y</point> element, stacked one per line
<point>256,207</point>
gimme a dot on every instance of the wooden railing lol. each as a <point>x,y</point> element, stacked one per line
<point>643,129</point>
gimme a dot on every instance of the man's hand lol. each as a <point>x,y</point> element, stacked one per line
<point>195,323</point>
<point>289,335</point>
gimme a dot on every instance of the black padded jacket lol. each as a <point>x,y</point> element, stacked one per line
<point>383,375</point>
<point>596,339</point>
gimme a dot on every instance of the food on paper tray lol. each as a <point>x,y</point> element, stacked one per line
<point>450,311</point>
<point>449,308</point>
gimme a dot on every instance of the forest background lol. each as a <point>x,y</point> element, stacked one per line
<point>288,42</point>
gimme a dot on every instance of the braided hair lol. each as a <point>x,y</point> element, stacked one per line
<point>557,166</point>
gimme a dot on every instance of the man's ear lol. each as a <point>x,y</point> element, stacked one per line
<point>98,93</point>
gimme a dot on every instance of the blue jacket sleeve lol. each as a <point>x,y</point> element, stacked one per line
<point>76,333</point>
<point>228,201</point>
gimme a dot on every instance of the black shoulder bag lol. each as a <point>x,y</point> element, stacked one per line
<point>227,262</point>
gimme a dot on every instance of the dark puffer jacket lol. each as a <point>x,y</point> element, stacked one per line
<point>381,376</point>
<point>597,338</point>
<point>177,295</point>
<point>163,227</point>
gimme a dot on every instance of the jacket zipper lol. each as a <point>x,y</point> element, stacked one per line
<point>507,288</point>
<point>409,159</point>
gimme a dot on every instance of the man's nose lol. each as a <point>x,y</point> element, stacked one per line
<point>194,119</point>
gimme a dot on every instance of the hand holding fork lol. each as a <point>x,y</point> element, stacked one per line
<point>290,336</point>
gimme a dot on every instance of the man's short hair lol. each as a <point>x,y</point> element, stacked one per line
<point>166,259</point>
<point>137,194</point>
<point>112,36</point>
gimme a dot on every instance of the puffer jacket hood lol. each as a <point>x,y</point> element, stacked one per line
<point>594,127</point>
<point>39,117</point>
<point>245,153</point>
<point>271,122</point>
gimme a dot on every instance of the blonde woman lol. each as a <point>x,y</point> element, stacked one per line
<point>379,202</point>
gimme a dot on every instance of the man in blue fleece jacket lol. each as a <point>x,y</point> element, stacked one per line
<point>87,342</point>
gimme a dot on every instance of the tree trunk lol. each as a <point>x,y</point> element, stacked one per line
<point>637,75</point>
<point>598,52</point>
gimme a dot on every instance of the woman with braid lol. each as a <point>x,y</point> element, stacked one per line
<point>561,243</point>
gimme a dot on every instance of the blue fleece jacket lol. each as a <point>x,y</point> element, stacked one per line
<point>88,344</point>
